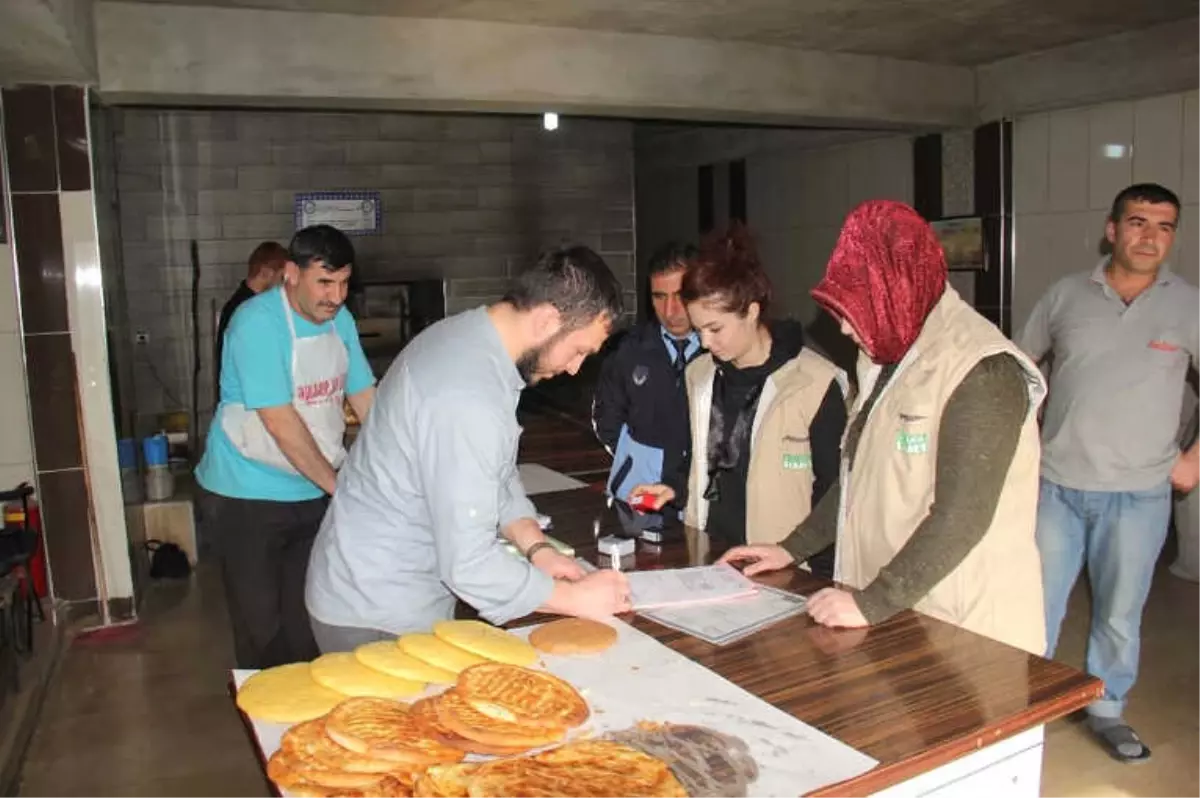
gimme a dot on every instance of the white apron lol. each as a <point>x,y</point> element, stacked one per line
<point>319,366</point>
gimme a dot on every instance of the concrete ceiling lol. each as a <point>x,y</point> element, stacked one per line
<point>961,32</point>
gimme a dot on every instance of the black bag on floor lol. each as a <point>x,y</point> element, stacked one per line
<point>167,561</point>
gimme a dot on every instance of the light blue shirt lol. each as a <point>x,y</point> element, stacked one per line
<point>693,344</point>
<point>256,371</point>
<point>431,480</point>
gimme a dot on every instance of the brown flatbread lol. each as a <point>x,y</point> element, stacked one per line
<point>522,696</point>
<point>573,637</point>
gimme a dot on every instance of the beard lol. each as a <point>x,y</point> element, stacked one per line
<point>530,366</point>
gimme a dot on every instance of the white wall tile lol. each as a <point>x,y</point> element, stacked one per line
<point>829,190</point>
<point>85,307</point>
<point>1032,273</point>
<point>766,190</point>
<point>15,447</point>
<point>13,474</point>
<point>894,169</point>
<point>10,320</point>
<point>1031,163</point>
<point>1158,140</point>
<point>1068,161</point>
<point>1051,245</point>
<point>1110,151</point>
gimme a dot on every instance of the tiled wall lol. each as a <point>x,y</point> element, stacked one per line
<point>469,199</point>
<point>16,445</point>
<point>62,321</point>
<point>797,202</point>
<point>1067,167</point>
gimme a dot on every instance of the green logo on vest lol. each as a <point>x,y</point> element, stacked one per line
<point>912,442</point>
<point>797,462</point>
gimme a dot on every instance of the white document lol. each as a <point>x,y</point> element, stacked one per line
<point>702,584</point>
<point>722,623</point>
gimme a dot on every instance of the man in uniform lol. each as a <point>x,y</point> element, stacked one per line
<point>640,409</point>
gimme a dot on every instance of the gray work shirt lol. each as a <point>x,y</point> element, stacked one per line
<point>1116,384</point>
<point>430,480</point>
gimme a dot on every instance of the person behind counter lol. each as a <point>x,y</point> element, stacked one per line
<point>431,485</point>
<point>937,502</point>
<point>767,412</point>
<point>264,271</point>
<point>640,408</point>
<point>292,354</point>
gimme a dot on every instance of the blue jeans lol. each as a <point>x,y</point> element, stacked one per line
<point>1119,536</point>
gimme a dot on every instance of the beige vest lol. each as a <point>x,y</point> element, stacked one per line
<point>997,590</point>
<point>779,487</point>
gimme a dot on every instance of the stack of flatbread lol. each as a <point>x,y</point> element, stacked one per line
<point>504,709</point>
<point>355,737</point>
<point>586,768</point>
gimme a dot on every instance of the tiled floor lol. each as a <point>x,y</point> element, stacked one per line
<point>146,712</point>
<point>1163,706</point>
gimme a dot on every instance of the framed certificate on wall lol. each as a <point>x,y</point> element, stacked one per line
<point>355,213</point>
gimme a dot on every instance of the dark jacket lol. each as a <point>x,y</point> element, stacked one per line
<point>640,414</point>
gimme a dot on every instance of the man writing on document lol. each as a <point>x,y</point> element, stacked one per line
<point>432,479</point>
<point>291,358</point>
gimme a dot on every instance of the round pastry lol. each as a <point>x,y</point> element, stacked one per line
<point>573,637</point>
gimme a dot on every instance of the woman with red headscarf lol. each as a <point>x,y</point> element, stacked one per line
<point>937,502</point>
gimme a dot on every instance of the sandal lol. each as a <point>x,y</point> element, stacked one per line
<point>1122,742</point>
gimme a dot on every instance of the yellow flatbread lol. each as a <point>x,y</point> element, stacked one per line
<point>344,673</point>
<point>438,653</point>
<point>485,640</point>
<point>387,657</point>
<point>286,694</point>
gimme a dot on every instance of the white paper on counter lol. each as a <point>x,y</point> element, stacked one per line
<point>640,679</point>
<point>725,622</point>
<point>701,584</point>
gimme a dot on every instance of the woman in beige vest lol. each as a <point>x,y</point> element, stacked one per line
<point>767,413</point>
<point>937,501</point>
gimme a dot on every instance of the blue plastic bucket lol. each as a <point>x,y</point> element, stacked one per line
<point>154,449</point>
<point>127,453</point>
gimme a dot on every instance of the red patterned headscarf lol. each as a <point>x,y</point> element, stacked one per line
<point>885,276</point>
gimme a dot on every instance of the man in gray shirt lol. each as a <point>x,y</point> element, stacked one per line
<point>432,477</point>
<point>1120,340</point>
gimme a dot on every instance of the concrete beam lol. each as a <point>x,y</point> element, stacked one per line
<point>1147,62</point>
<point>171,54</point>
<point>47,41</point>
<point>693,146</point>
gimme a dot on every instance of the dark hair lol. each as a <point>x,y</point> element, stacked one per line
<point>671,256</point>
<point>323,243</point>
<point>1145,192</point>
<point>728,271</point>
<point>575,281</point>
<point>268,255</point>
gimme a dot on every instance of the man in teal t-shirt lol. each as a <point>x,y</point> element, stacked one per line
<point>290,357</point>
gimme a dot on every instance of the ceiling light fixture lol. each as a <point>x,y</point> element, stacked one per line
<point>550,121</point>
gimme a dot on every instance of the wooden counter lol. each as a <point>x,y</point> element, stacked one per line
<point>913,692</point>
